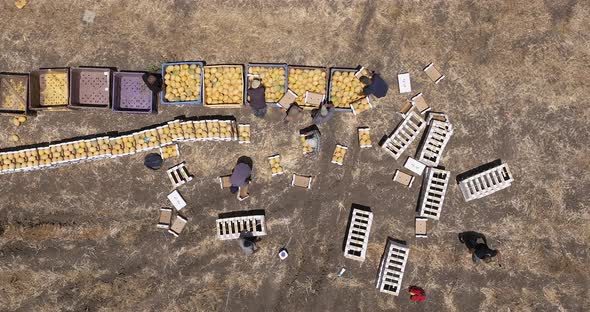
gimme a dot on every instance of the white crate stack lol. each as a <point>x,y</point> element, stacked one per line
<point>391,270</point>
<point>231,228</point>
<point>432,194</point>
<point>486,183</point>
<point>405,133</point>
<point>357,239</point>
<point>433,145</point>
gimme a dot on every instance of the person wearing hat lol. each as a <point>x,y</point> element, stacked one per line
<point>257,101</point>
<point>324,114</point>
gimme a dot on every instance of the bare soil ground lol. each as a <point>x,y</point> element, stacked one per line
<point>83,238</point>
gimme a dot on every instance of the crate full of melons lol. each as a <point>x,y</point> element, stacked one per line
<point>364,134</point>
<point>303,79</point>
<point>44,156</point>
<point>244,132</point>
<point>123,145</point>
<point>146,140</point>
<point>176,130</point>
<point>201,132</point>
<point>98,148</point>
<point>361,105</point>
<point>169,151</point>
<point>275,165</point>
<point>226,130</point>
<point>184,83</point>
<point>164,135</point>
<point>273,77</point>
<point>224,86</point>
<point>339,153</point>
<point>344,88</point>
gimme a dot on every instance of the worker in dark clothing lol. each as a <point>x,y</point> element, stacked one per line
<point>323,114</point>
<point>241,175</point>
<point>257,101</point>
<point>478,246</point>
<point>153,81</point>
<point>374,85</point>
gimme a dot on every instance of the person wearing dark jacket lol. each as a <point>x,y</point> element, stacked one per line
<point>257,100</point>
<point>478,246</point>
<point>153,81</point>
<point>374,85</point>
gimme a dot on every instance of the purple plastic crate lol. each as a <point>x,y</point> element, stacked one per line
<point>90,87</point>
<point>131,95</point>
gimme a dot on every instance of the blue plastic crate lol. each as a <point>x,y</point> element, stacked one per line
<point>284,66</point>
<point>342,69</point>
<point>198,101</point>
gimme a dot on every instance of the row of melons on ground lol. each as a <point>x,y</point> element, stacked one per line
<point>160,136</point>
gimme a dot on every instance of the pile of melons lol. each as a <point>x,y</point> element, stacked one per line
<point>339,153</point>
<point>224,85</point>
<point>273,80</point>
<point>183,83</point>
<point>169,151</point>
<point>345,88</point>
<point>364,137</point>
<point>275,165</point>
<point>307,79</point>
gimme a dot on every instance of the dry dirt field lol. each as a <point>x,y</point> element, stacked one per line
<point>83,238</point>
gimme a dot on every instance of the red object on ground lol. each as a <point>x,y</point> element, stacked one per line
<point>418,294</point>
<point>418,298</point>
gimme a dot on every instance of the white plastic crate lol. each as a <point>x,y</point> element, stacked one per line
<point>432,193</point>
<point>486,183</point>
<point>392,267</point>
<point>405,133</point>
<point>231,228</point>
<point>357,238</point>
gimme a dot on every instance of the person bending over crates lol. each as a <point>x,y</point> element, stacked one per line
<point>374,85</point>
<point>241,175</point>
<point>257,100</point>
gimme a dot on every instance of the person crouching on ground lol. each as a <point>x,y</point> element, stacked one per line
<point>257,101</point>
<point>374,85</point>
<point>241,175</point>
<point>323,114</point>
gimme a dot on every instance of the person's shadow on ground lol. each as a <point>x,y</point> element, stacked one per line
<point>471,239</point>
